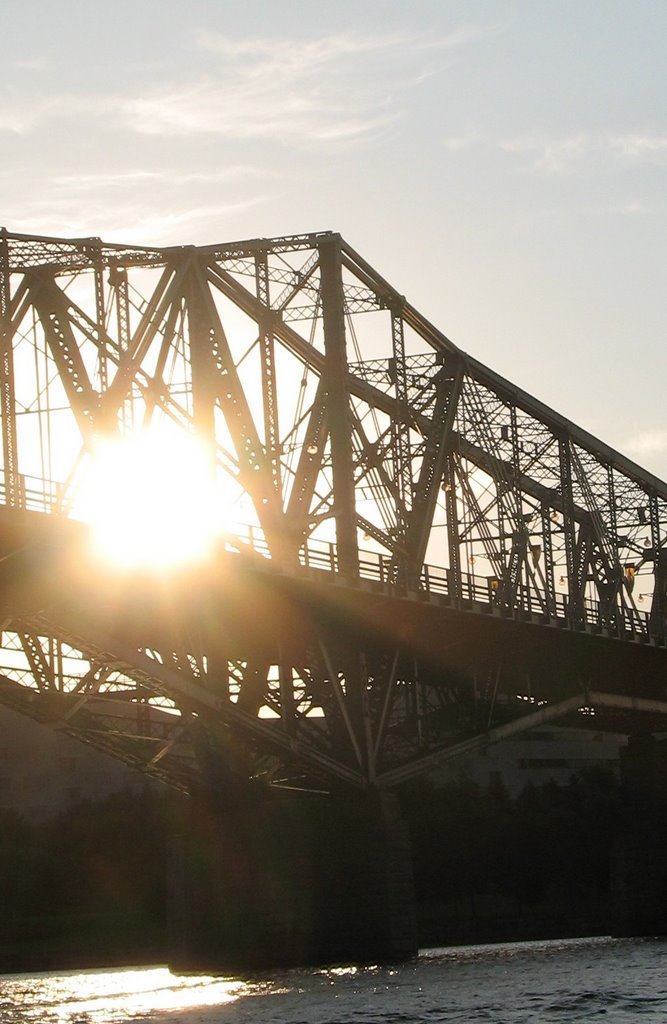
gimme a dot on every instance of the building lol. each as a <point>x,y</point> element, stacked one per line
<point>537,756</point>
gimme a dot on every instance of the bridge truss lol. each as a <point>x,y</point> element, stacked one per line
<point>418,557</point>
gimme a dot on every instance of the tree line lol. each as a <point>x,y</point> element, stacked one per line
<point>90,886</point>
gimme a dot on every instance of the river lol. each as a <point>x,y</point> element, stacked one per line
<point>564,981</point>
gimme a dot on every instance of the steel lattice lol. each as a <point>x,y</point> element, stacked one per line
<point>450,557</point>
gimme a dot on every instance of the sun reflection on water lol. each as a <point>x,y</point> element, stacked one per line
<point>111,996</point>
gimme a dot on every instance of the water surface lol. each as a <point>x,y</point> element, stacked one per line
<point>565,981</point>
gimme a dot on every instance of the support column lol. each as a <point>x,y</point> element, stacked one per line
<point>292,881</point>
<point>639,868</point>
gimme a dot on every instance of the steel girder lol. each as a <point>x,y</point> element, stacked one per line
<point>377,469</point>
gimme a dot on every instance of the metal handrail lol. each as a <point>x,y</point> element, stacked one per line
<point>37,494</point>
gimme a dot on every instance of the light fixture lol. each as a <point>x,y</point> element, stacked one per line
<point>312,449</point>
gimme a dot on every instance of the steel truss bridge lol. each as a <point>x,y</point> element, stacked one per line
<point>420,558</point>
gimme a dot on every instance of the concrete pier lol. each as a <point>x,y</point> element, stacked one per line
<point>292,880</point>
<point>639,869</point>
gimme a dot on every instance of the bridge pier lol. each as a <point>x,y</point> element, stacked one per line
<point>639,872</point>
<point>291,881</point>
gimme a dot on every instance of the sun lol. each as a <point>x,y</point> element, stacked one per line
<point>151,500</point>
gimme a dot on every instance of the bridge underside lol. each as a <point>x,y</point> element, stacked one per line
<point>347,683</point>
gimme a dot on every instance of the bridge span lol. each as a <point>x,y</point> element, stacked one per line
<point>413,557</point>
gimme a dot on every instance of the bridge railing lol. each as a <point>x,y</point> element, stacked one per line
<point>475,589</point>
<point>39,495</point>
<point>35,494</point>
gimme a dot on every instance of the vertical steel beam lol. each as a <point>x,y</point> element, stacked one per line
<point>288,713</point>
<point>268,361</point>
<point>119,282</point>
<point>453,530</point>
<point>658,614</point>
<point>338,401</point>
<point>611,504</point>
<point>7,392</point>
<point>400,427</point>
<point>565,467</point>
<point>202,364</point>
<point>549,568</point>
<point>102,358</point>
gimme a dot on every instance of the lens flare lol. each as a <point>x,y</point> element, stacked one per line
<point>151,501</point>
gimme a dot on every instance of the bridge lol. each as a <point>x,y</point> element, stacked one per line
<point>413,557</point>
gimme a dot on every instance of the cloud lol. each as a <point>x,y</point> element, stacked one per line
<point>143,206</point>
<point>166,178</point>
<point>330,88</point>
<point>30,64</point>
<point>127,223</point>
<point>312,53</point>
<point>19,115</point>
<point>631,208</point>
<point>458,143</point>
<point>560,155</point>
<point>254,109</point>
<point>293,53</point>
<point>22,113</point>
<point>641,147</point>
<point>646,443</point>
<point>552,156</point>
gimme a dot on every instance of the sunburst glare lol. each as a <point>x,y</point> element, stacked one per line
<point>151,500</point>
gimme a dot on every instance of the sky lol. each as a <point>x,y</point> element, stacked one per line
<point>503,163</point>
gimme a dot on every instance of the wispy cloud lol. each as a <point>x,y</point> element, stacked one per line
<point>338,87</point>
<point>314,52</point>
<point>297,54</point>
<point>551,156</point>
<point>134,223</point>
<point>641,147</point>
<point>21,113</point>
<point>250,108</point>
<point>314,89</point>
<point>145,206</point>
<point>647,443</point>
<point>165,178</point>
<point>564,154</point>
<point>30,64</point>
<point>459,143</point>
<point>632,208</point>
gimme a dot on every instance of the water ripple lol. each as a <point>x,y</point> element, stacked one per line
<point>619,981</point>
